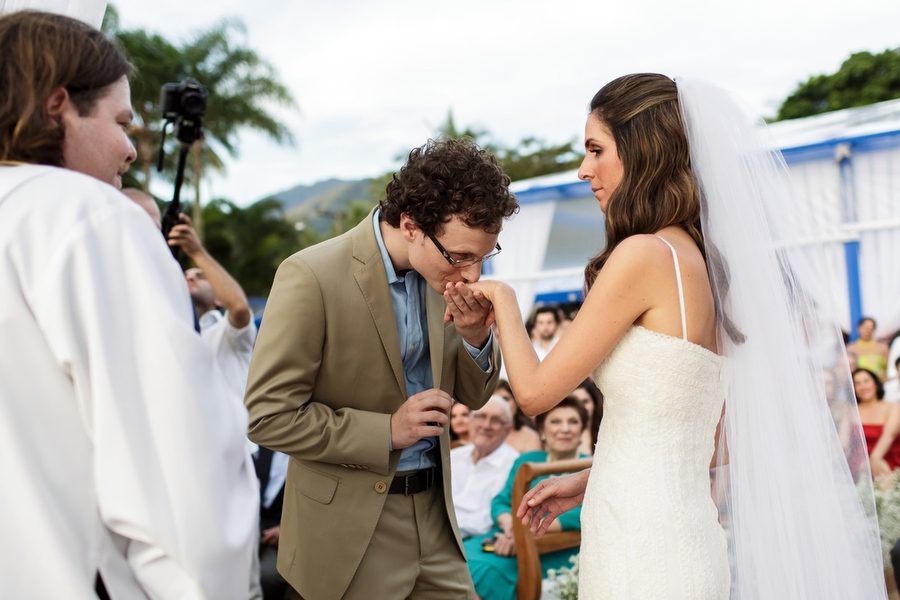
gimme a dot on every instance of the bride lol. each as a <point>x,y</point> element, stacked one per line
<point>683,309</point>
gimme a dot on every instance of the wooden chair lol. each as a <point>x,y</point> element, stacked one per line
<point>528,547</point>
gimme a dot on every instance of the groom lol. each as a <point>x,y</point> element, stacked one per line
<point>353,374</point>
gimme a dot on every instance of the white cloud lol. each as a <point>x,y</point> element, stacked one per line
<point>374,79</point>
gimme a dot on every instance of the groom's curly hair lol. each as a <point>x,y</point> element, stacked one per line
<point>449,178</point>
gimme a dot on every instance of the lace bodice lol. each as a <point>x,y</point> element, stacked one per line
<point>649,526</point>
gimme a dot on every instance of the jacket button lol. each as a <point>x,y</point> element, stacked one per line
<point>380,487</point>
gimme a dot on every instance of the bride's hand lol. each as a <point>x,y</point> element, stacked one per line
<point>491,288</point>
<point>551,498</point>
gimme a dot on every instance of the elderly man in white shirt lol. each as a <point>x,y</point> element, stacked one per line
<point>479,469</point>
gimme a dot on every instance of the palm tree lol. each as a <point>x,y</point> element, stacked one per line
<point>240,84</point>
<point>241,87</point>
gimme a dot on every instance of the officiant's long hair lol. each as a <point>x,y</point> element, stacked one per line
<point>658,188</point>
<point>42,52</point>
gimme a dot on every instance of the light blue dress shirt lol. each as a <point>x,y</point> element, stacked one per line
<point>408,300</point>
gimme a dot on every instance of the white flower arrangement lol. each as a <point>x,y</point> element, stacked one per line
<point>887,506</point>
<point>565,580</point>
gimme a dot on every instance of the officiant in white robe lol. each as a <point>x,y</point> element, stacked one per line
<point>123,452</point>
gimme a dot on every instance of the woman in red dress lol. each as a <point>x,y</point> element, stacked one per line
<point>880,422</point>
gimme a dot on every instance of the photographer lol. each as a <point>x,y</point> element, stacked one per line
<point>230,335</point>
<point>123,450</point>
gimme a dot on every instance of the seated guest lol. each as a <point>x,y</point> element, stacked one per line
<point>880,421</point>
<point>479,469</point>
<point>523,437</point>
<point>495,571</point>
<point>592,400</point>
<point>459,424</point>
<point>870,353</point>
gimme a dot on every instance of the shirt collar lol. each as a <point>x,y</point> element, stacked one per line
<point>392,276</point>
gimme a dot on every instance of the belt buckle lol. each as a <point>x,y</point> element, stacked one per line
<point>429,481</point>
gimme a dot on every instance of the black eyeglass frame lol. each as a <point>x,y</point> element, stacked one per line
<point>466,262</point>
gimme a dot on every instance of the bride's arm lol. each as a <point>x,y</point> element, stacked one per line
<point>623,291</point>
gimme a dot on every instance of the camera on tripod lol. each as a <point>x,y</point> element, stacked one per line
<point>184,104</point>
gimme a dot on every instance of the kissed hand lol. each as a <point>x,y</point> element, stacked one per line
<point>470,311</point>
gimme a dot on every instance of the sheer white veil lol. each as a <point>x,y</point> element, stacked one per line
<point>792,480</point>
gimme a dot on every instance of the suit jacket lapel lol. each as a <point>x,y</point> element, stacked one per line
<point>372,280</point>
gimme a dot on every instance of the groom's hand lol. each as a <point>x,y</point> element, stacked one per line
<point>422,415</point>
<point>470,311</point>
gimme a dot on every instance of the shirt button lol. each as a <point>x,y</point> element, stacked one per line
<point>380,487</point>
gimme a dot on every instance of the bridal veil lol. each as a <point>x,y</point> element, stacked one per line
<point>792,480</point>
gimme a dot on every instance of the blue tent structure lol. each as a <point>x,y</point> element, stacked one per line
<point>845,163</point>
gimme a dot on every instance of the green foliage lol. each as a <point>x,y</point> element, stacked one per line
<point>251,242</point>
<point>243,88</point>
<point>531,157</point>
<point>110,23</point>
<point>534,157</point>
<point>449,131</point>
<point>864,78</point>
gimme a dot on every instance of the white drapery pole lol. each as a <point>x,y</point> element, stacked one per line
<point>524,239</point>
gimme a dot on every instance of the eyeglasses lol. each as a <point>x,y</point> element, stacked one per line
<point>464,262</point>
<point>493,420</point>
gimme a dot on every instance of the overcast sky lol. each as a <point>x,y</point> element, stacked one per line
<point>374,78</point>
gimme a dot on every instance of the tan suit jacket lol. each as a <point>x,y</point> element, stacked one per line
<point>325,377</point>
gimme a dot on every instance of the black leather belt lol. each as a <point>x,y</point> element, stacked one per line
<point>413,483</point>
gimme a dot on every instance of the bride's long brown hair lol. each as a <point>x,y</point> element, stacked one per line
<point>658,188</point>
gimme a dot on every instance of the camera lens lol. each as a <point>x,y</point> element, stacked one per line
<point>193,103</point>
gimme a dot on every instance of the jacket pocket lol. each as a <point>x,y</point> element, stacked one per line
<point>316,485</point>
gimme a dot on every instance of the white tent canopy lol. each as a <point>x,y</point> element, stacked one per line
<point>846,164</point>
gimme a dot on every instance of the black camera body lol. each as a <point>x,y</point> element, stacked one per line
<point>184,104</point>
<point>185,99</point>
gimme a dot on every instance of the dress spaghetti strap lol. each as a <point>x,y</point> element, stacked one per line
<point>680,290</point>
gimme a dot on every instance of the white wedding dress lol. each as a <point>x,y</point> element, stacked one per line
<point>649,525</point>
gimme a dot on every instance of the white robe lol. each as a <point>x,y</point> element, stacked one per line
<point>121,448</point>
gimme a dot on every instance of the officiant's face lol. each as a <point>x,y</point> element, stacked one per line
<point>96,142</point>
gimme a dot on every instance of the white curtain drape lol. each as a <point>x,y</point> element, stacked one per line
<point>877,185</point>
<point>89,11</point>
<point>524,239</point>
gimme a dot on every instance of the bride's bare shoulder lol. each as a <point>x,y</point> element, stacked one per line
<point>640,251</point>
